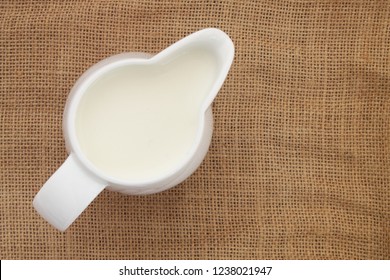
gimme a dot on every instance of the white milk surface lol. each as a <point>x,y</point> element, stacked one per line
<point>139,122</point>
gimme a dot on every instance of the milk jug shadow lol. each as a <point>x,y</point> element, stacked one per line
<point>137,124</point>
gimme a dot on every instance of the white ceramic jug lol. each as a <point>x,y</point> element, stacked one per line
<point>119,104</point>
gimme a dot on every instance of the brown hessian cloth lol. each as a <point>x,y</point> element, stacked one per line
<point>299,165</point>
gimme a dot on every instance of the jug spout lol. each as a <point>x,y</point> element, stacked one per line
<point>219,44</point>
<point>212,46</point>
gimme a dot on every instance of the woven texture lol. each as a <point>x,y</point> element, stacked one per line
<point>299,166</point>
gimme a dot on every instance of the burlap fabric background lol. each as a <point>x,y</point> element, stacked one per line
<point>299,166</point>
